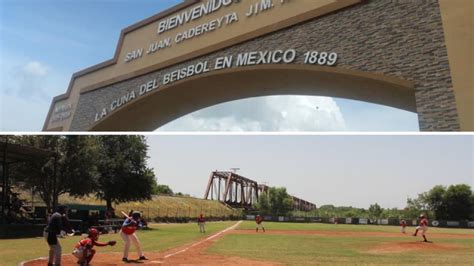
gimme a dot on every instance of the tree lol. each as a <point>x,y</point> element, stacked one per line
<point>276,202</point>
<point>415,207</point>
<point>162,190</point>
<point>454,203</point>
<point>434,199</point>
<point>77,166</point>
<point>458,202</point>
<point>263,203</point>
<point>327,210</point>
<point>392,213</point>
<point>471,217</point>
<point>280,202</point>
<point>71,171</point>
<point>123,174</point>
<point>375,211</point>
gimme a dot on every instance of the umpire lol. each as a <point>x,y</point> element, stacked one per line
<point>57,222</point>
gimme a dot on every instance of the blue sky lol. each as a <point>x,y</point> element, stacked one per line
<point>342,170</point>
<point>43,42</point>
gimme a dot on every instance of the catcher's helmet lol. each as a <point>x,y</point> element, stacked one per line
<point>93,234</point>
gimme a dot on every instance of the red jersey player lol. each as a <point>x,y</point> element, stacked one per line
<point>259,221</point>
<point>403,224</point>
<point>202,223</point>
<point>423,226</point>
<point>128,235</point>
<point>84,250</point>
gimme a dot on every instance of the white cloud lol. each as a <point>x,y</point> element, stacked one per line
<point>28,79</point>
<point>35,68</point>
<point>26,89</point>
<point>273,113</point>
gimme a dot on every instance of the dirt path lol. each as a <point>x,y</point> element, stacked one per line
<point>189,254</point>
<point>399,247</point>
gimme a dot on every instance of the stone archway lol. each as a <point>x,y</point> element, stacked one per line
<point>189,95</point>
<point>388,52</point>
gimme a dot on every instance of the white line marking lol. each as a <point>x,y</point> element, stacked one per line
<point>167,256</point>
<point>202,241</point>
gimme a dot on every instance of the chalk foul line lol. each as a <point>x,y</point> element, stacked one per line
<point>204,240</point>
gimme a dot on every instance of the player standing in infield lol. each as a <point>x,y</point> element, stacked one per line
<point>201,223</point>
<point>403,224</point>
<point>423,226</point>
<point>259,221</point>
<point>128,235</point>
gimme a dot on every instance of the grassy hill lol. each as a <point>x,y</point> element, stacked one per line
<point>165,206</point>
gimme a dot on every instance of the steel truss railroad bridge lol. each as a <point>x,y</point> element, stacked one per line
<point>240,192</point>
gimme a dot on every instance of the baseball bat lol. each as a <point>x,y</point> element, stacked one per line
<point>125,214</point>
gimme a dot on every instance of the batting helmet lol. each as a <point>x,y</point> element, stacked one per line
<point>136,215</point>
<point>93,234</point>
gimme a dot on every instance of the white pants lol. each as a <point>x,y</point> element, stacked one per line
<point>201,228</point>
<point>54,251</point>
<point>403,229</point>
<point>78,252</point>
<point>260,226</point>
<point>423,229</point>
<point>130,238</point>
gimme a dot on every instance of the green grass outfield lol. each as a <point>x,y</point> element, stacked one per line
<point>313,249</point>
<point>162,237</point>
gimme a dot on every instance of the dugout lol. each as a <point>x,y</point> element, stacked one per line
<point>86,212</point>
<point>10,154</point>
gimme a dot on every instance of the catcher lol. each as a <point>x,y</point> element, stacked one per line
<point>84,250</point>
<point>128,235</point>
<point>423,226</point>
<point>259,221</point>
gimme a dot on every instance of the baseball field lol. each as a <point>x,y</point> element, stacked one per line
<point>283,243</point>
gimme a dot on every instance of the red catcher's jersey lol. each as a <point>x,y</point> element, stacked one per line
<point>424,222</point>
<point>89,243</point>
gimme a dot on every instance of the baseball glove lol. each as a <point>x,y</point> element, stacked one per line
<point>112,243</point>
